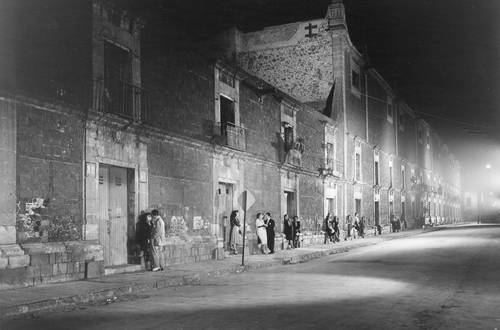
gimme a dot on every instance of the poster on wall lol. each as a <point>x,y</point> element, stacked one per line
<point>197,223</point>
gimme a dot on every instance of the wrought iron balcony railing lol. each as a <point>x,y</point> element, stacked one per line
<point>120,98</point>
<point>230,135</point>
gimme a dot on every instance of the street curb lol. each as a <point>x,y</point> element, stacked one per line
<point>111,295</point>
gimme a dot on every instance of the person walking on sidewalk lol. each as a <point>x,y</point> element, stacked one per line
<point>260,225</point>
<point>348,234</point>
<point>336,229</point>
<point>142,235</point>
<point>288,230</point>
<point>235,239</point>
<point>158,240</point>
<point>328,228</point>
<point>270,232</point>
<point>296,231</point>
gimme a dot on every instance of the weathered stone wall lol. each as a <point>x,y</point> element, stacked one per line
<point>49,174</point>
<point>380,131</point>
<point>311,127</point>
<point>286,51</point>
<point>181,93</point>
<point>8,146</point>
<point>263,181</point>
<point>407,139</point>
<point>180,187</point>
<point>262,123</point>
<point>311,203</point>
<point>49,263</point>
<point>54,49</point>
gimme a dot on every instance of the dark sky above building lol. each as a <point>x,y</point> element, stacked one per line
<point>442,56</point>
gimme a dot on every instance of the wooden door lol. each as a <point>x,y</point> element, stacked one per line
<point>225,192</point>
<point>104,216</point>
<point>118,214</point>
<point>113,214</point>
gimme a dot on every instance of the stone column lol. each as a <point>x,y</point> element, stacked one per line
<point>7,171</point>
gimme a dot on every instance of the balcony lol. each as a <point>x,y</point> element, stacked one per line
<point>120,98</point>
<point>230,135</point>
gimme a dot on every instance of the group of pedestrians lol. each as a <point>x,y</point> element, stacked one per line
<point>150,236</point>
<point>291,229</point>
<point>397,224</point>
<point>265,228</point>
<point>353,228</point>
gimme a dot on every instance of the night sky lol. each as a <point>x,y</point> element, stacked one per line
<point>441,56</point>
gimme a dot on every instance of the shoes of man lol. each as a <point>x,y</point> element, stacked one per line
<point>156,269</point>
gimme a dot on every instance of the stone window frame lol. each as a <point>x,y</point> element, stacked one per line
<point>230,92</point>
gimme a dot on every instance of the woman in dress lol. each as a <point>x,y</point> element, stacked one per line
<point>288,229</point>
<point>261,233</point>
<point>235,239</point>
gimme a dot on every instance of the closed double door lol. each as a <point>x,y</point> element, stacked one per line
<point>113,214</point>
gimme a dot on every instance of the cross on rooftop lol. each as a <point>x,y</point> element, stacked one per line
<point>310,29</point>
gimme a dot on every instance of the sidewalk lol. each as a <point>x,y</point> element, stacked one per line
<point>110,288</point>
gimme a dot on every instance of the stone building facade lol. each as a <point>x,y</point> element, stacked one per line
<point>393,162</point>
<point>112,126</point>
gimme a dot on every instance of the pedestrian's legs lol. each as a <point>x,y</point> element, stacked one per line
<point>155,249</point>
<point>270,243</point>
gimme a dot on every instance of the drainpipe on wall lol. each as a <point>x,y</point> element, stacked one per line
<point>366,107</point>
<point>84,170</point>
<point>344,106</point>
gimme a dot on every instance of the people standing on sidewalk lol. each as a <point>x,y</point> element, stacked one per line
<point>235,238</point>
<point>296,231</point>
<point>328,228</point>
<point>158,240</point>
<point>288,231</point>
<point>355,226</point>
<point>336,229</point>
<point>348,234</point>
<point>270,232</point>
<point>261,233</point>
<point>392,219</point>
<point>142,235</point>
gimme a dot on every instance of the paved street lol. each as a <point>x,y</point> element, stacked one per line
<point>446,279</point>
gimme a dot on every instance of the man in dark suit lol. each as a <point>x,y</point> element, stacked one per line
<point>270,231</point>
